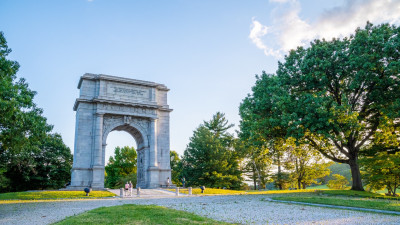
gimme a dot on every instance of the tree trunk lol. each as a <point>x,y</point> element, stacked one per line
<point>298,179</point>
<point>389,189</point>
<point>355,175</point>
<point>254,178</point>
<point>279,173</point>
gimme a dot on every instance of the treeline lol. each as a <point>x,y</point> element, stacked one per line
<point>335,101</point>
<point>31,156</point>
<point>215,158</point>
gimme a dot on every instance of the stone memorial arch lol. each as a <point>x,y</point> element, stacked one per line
<point>109,103</point>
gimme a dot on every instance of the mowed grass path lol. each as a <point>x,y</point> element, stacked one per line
<point>40,195</point>
<point>137,214</point>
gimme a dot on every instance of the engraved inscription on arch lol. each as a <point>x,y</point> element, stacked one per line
<point>128,92</point>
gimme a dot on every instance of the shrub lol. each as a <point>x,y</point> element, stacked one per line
<point>339,182</point>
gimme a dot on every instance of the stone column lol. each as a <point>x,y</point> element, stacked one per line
<point>153,143</point>
<point>153,170</point>
<point>98,164</point>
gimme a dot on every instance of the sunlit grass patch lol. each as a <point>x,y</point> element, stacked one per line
<point>345,201</point>
<point>216,191</point>
<point>53,195</point>
<point>137,214</point>
<point>280,192</point>
<point>209,191</point>
<point>324,186</point>
<point>351,193</point>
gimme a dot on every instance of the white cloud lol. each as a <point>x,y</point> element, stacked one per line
<point>257,32</point>
<point>288,30</point>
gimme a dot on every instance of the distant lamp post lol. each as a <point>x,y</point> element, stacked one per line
<point>183,182</point>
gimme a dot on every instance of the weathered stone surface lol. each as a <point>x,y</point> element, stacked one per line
<point>107,103</point>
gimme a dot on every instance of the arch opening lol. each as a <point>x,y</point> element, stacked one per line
<point>118,139</point>
<point>140,148</point>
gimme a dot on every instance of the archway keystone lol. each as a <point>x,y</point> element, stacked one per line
<point>107,103</point>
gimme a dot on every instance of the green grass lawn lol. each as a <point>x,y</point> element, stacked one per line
<point>37,195</point>
<point>361,199</point>
<point>273,192</point>
<point>216,191</point>
<point>324,186</point>
<point>345,201</point>
<point>209,191</point>
<point>137,214</point>
<point>351,193</point>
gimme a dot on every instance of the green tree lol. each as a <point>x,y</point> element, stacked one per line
<point>176,168</point>
<point>382,170</point>
<point>122,167</point>
<point>21,122</point>
<point>210,158</point>
<point>305,164</point>
<point>339,168</point>
<point>48,168</point>
<point>264,147</point>
<point>257,165</point>
<point>30,156</point>
<point>339,182</point>
<point>336,95</point>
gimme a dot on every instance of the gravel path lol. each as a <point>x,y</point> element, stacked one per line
<point>244,209</point>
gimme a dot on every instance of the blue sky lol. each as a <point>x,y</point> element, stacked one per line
<point>206,52</point>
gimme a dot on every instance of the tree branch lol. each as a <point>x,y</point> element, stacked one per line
<point>344,152</point>
<point>333,158</point>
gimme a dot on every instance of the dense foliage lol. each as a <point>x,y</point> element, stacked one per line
<point>381,171</point>
<point>338,182</point>
<point>176,168</point>
<point>339,168</point>
<point>121,168</point>
<point>306,166</point>
<point>30,156</point>
<point>336,96</point>
<point>210,158</point>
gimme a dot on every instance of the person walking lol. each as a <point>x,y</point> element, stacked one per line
<point>168,182</point>
<point>130,188</point>
<point>126,188</point>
